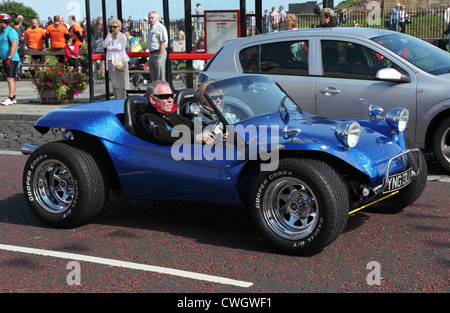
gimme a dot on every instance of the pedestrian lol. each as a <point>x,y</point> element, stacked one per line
<point>266,22</point>
<point>21,47</point>
<point>291,22</point>
<point>343,17</point>
<point>9,40</point>
<point>282,17</point>
<point>144,29</point>
<point>34,39</point>
<point>402,16</point>
<point>130,25</point>
<point>71,56</point>
<point>251,23</point>
<point>133,45</point>
<point>97,44</point>
<point>199,11</point>
<point>157,39</point>
<point>274,19</point>
<point>75,30</point>
<point>57,35</point>
<point>327,18</point>
<point>394,19</point>
<point>179,43</point>
<point>117,59</point>
<point>447,22</point>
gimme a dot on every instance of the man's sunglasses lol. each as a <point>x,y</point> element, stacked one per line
<point>216,96</point>
<point>164,96</point>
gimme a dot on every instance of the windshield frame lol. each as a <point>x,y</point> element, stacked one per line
<point>254,96</point>
<point>416,52</point>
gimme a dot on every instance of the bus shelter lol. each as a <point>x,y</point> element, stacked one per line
<point>113,8</point>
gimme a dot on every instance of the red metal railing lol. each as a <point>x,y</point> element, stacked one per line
<point>172,56</point>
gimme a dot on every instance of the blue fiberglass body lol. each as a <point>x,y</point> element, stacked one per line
<point>149,171</point>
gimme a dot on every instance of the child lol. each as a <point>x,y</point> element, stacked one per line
<point>71,56</point>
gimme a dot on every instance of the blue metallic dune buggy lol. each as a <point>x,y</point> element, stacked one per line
<point>300,175</point>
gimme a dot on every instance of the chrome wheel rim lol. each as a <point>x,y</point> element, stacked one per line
<point>290,208</point>
<point>53,186</point>
<point>445,145</point>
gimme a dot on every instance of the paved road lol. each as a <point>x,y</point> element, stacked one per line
<point>173,248</point>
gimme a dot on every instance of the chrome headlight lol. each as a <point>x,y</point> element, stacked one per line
<point>398,118</point>
<point>348,133</point>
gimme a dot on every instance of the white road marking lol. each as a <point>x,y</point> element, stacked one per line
<point>131,265</point>
<point>10,152</point>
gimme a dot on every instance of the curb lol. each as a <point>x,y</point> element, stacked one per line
<point>20,117</point>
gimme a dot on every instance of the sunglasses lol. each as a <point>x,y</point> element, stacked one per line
<point>216,97</point>
<point>164,96</point>
<point>114,26</point>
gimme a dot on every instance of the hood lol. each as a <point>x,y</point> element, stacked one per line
<point>370,156</point>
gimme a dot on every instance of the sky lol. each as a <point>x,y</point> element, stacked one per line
<point>139,8</point>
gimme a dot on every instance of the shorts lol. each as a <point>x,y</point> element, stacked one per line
<point>10,71</point>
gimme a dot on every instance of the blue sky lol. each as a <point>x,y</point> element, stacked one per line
<point>139,8</point>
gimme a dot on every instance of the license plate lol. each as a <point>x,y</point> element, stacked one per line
<point>398,181</point>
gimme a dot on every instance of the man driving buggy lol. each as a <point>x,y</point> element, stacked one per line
<point>158,123</point>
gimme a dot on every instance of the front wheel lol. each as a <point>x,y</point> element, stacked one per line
<point>301,207</point>
<point>64,185</point>
<point>441,144</point>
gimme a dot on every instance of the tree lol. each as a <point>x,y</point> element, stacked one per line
<point>14,8</point>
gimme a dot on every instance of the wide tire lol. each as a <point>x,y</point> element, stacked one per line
<point>301,207</point>
<point>64,185</point>
<point>441,144</point>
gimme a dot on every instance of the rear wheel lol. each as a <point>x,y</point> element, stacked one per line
<point>64,185</point>
<point>301,207</point>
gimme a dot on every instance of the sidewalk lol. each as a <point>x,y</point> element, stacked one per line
<point>29,106</point>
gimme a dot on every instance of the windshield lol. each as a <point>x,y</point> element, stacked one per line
<point>248,97</point>
<point>425,56</point>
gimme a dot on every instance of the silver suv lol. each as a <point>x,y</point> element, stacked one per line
<point>340,72</point>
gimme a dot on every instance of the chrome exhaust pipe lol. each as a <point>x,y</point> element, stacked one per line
<point>28,149</point>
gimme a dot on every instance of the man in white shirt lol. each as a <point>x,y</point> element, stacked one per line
<point>199,10</point>
<point>157,39</point>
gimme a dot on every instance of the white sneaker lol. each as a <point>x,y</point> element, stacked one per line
<point>8,102</point>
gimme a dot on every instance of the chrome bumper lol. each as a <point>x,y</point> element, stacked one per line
<point>382,188</point>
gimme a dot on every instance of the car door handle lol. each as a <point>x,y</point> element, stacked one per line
<point>330,91</point>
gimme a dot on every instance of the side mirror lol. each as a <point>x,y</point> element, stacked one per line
<point>392,75</point>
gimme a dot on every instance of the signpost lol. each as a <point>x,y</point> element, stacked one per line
<point>220,26</point>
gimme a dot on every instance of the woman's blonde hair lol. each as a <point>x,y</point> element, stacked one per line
<point>182,34</point>
<point>115,22</point>
<point>291,19</point>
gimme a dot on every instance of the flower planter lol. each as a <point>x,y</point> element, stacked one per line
<point>48,96</point>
